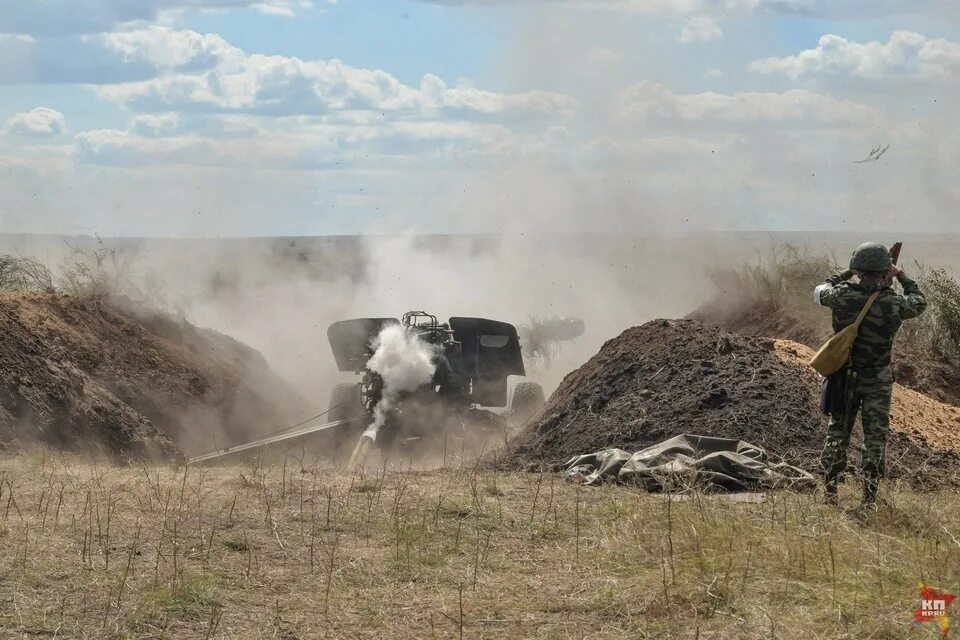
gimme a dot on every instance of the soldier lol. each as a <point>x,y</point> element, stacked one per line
<point>869,380</point>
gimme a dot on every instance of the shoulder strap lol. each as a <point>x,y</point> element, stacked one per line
<point>866,308</point>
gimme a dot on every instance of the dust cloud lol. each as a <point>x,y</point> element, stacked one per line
<point>282,306</point>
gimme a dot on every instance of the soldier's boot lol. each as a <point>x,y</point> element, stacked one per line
<point>830,490</point>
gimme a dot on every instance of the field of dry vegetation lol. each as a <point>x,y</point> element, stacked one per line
<point>290,549</point>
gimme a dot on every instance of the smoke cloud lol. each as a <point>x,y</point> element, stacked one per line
<point>405,363</point>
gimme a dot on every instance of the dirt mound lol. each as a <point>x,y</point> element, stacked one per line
<point>82,373</point>
<point>931,424</point>
<point>929,372</point>
<point>683,376</point>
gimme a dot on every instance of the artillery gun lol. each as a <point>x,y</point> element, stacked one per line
<point>473,358</point>
<point>469,390</point>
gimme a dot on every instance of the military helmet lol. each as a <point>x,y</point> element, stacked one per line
<point>871,256</point>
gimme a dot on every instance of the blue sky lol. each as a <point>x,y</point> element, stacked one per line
<point>290,117</point>
<point>404,38</point>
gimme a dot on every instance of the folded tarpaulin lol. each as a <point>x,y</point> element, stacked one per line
<point>690,461</point>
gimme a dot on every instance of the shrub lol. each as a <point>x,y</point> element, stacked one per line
<point>939,327</point>
<point>784,279</point>
<point>102,271</point>
<point>24,274</point>
<point>788,273</point>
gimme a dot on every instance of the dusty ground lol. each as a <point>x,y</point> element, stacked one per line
<point>931,423</point>
<point>291,551</point>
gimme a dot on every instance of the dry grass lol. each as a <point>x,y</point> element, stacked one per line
<point>785,276</point>
<point>19,273</point>
<point>292,550</point>
<point>784,280</point>
<point>939,328</point>
<point>99,271</point>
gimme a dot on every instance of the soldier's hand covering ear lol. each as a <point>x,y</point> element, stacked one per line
<point>893,273</point>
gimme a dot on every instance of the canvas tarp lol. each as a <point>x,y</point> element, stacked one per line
<point>690,461</point>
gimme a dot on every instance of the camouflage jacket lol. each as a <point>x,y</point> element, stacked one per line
<point>875,341</point>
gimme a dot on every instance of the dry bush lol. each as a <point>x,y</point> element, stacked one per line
<point>111,271</point>
<point>787,274</point>
<point>771,296</point>
<point>18,273</point>
<point>102,271</point>
<point>939,327</point>
<point>783,282</point>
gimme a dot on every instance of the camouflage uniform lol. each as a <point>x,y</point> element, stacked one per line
<point>869,378</point>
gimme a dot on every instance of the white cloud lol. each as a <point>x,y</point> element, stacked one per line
<point>285,8</point>
<point>118,148</point>
<point>904,54</point>
<point>70,60</point>
<point>156,126</point>
<point>41,122</point>
<point>802,108</point>
<point>16,37</point>
<point>464,97</point>
<point>713,73</point>
<point>113,57</point>
<point>64,17</point>
<point>166,125</point>
<point>273,150</point>
<point>269,84</point>
<point>165,48</point>
<point>699,29</point>
<point>296,143</point>
<point>283,86</point>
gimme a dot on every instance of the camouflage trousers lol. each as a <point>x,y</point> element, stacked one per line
<point>868,393</point>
